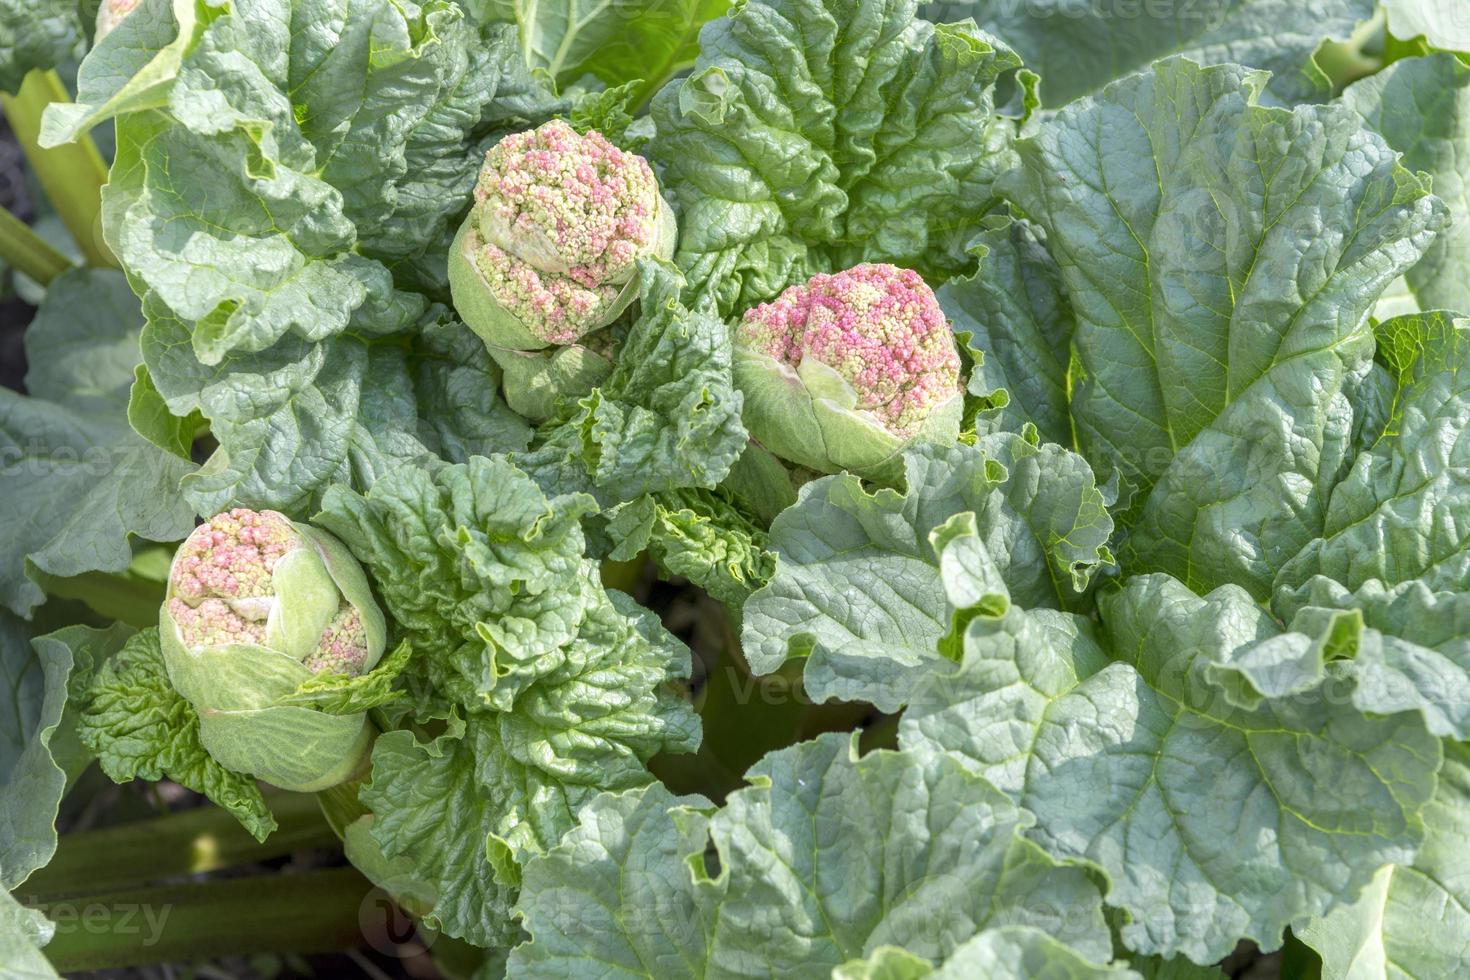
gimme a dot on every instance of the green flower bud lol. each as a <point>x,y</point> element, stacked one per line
<point>257,604</point>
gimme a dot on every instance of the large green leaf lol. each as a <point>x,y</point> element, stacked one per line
<point>1007,953</point>
<point>1413,921</point>
<point>47,678</point>
<point>860,584</point>
<point>1443,25</point>
<point>1397,514</point>
<point>285,178</point>
<point>32,778</point>
<point>1421,106</point>
<point>813,136</point>
<point>301,416</point>
<point>77,482</point>
<point>1020,324</point>
<point>1222,259</point>
<point>1079,46</point>
<point>619,42</point>
<point>822,860</point>
<point>1213,821</point>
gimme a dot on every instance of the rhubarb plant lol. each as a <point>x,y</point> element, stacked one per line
<point>699,489</point>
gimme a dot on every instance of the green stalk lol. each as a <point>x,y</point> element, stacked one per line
<point>71,175</point>
<point>26,251</point>
<point>192,842</point>
<point>316,912</point>
<point>122,596</point>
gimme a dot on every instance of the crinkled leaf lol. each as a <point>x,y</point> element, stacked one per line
<point>1212,821</point>
<point>469,813</point>
<point>596,720</point>
<point>643,41</point>
<point>1402,511</point>
<point>1401,648</point>
<point>77,482</point>
<point>1079,46</point>
<point>823,859</point>
<point>1020,324</point>
<point>1222,259</point>
<point>813,136</point>
<point>567,689</point>
<point>1413,921</point>
<point>433,809</point>
<point>610,112</point>
<point>667,417</point>
<point>482,572</point>
<point>859,585</point>
<point>700,535</point>
<point>141,728</point>
<point>1421,106</point>
<point>341,694</point>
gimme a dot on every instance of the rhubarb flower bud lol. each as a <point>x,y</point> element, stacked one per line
<point>256,604</point>
<point>845,370</point>
<point>549,253</point>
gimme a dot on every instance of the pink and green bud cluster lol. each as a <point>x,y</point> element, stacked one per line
<point>258,606</point>
<point>223,590</point>
<point>221,577</point>
<point>879,327</point>
<point>343,645</point>
<point>561,220</point>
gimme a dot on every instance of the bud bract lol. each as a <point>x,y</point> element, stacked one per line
<point>256,605</point>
